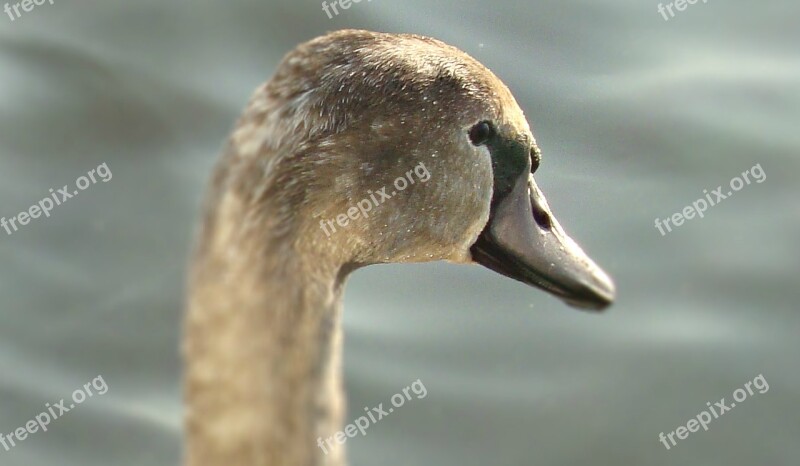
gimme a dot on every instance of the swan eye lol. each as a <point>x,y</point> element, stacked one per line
<point>480,133</point>
<point>536,158</point>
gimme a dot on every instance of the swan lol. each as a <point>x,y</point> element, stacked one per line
<point>344,116</point>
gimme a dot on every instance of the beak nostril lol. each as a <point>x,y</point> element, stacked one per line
<point>542,218</point>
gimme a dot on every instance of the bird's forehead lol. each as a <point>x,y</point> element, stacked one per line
<point>433,64</point>
<point>449,72</point>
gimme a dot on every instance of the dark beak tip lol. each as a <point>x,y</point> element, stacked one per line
<point>594,304</point>
<point>594,298</point>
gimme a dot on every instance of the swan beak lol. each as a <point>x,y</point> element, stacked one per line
<point>523,241</point>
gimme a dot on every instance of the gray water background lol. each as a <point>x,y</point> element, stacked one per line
<point>636,117</point>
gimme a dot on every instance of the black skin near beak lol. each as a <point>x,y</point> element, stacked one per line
<point>523,240</point>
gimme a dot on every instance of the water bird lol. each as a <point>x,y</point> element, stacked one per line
<point>344,114</point>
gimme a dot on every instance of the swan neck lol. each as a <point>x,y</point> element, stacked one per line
<point>262,352</point>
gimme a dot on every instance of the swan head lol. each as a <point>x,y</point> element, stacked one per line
<point>378,148</point>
